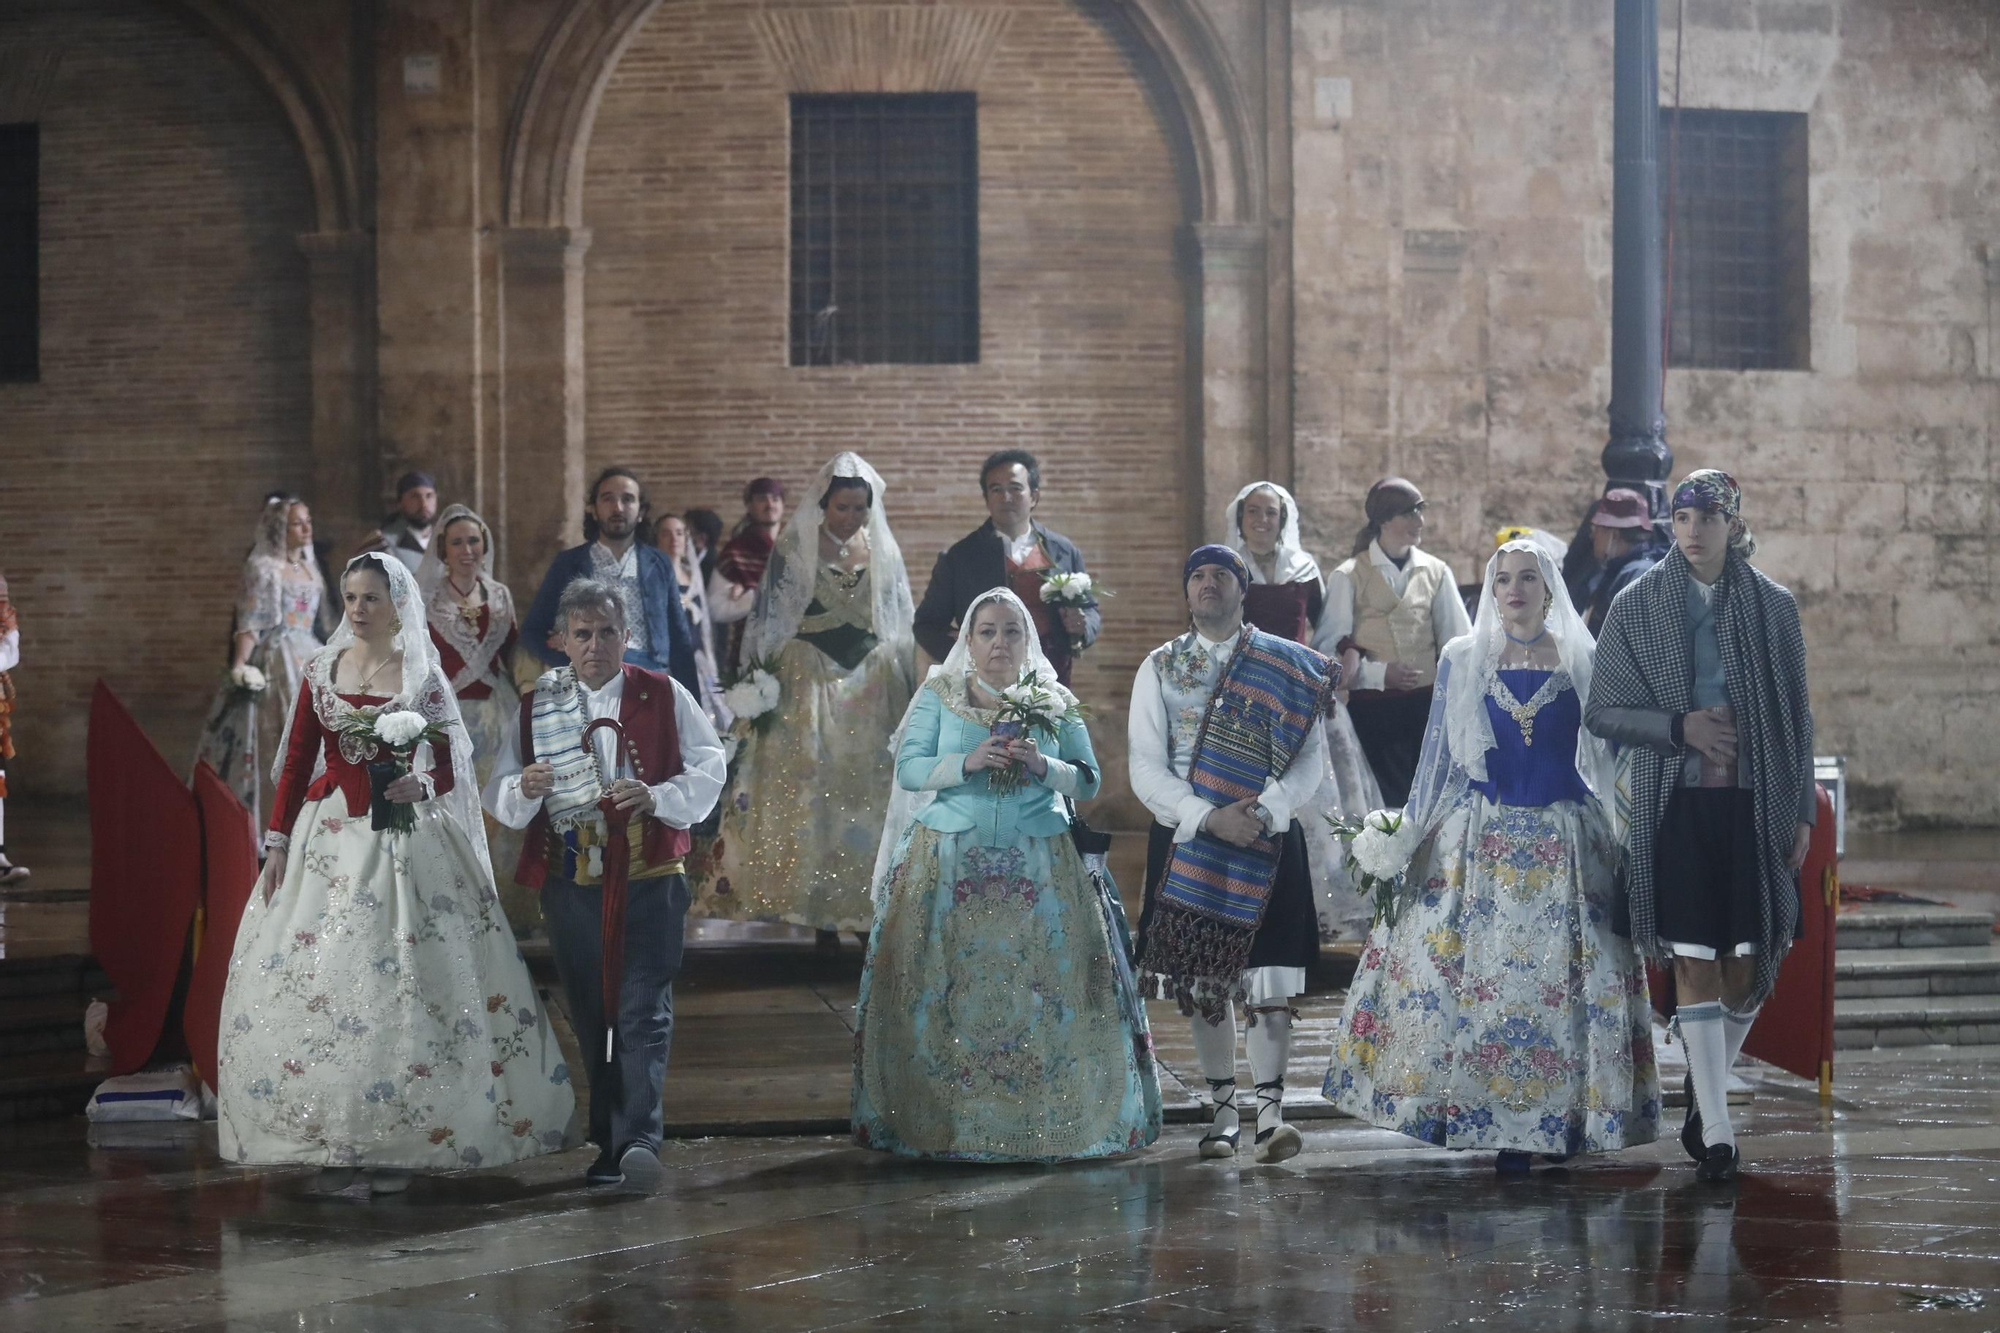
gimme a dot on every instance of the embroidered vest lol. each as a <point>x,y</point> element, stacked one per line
<point>1398,629</point>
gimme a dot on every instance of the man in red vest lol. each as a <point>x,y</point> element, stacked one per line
<point>664,776</point>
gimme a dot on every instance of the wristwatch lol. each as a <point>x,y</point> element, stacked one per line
<point>1262,816</point>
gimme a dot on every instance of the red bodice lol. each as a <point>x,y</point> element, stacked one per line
<point>310,740</point>
<point>452,663</point>
<point>1287,610</point>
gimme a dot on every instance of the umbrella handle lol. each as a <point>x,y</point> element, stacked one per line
<point>624,743</point>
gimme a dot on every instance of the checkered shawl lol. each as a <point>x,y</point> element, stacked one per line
<point>1213,895</point>
<point>1645,660</point>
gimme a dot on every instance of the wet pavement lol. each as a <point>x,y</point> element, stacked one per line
<point>1882,1214</point>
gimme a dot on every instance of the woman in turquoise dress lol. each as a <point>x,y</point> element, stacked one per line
<point>999,1018</point>
<point>1500,1009</point>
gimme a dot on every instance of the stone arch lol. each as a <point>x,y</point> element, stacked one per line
<point>548,134</point>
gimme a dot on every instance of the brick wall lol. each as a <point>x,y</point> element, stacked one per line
<point>173,390</point>
<point>1453,259</point>
<point>1081,353</point>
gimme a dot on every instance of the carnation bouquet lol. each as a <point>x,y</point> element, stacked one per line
<point>1376,857</point>
<point>399,733</point>
<point>753,695</point>
<point>1069,590</point>
<point>248,679</point>
<point>1033,703</point>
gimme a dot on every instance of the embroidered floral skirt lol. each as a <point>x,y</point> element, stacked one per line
<point>486,721</point>
<point>1501,1011</point>
<point>377,1013</point>
<point>243,731</point>
<point>999,1018</point>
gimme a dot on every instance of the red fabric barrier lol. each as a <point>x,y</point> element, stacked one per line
<point>145,876</point>
<point>229,873</point>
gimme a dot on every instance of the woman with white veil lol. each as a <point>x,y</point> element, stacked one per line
<point>1499,1009</point>
<point>803,812</point>
<point>1287,597</point>
<point>999,1018</point>
<point>378,1015</point>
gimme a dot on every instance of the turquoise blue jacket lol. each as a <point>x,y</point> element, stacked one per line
<point>932,759</point>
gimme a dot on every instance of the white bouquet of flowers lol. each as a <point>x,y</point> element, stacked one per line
<point>1378,851</point>
<point>753,694</point>
<point>1078,590</point>
<point>248,679</point>
<point>398,732</point>
<point>401,728</point>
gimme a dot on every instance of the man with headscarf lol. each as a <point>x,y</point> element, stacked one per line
<point>1009,550</point>
<point>618,548</point>
<point>739,569</point>
<point>1701,674</point>
<point>406,533</point>
<point>1390,610</point>
<point>1226,749</point>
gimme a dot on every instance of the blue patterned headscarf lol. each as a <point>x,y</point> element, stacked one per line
<point>1214,554</point>
<point>1712,491</point>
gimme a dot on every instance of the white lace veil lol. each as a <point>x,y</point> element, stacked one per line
<point>431,569</point>
<point>787,588</point>
<point>422,689</point>
<point>442,611</point>
<point>1460,732</point>
<point>1294,564</point>
<point>956,669</point>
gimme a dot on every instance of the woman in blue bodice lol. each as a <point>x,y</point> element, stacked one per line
<point>1496,1007</point>
<point>999,1019</point>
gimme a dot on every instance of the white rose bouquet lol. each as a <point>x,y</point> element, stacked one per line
<point>1073,590</point>
<point>248,679</point>
<point>1377,854</point>
<point>1030,704</point>
<point>398,732</point>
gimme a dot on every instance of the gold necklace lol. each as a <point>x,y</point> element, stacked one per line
<point>1522,713</point>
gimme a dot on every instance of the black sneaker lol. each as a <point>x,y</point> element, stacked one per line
<point>641,1169</point>
<point>604,1171</point>
<point>1719,1166</point>
<point>1691,1143</point>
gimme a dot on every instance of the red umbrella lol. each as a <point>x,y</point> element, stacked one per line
<point>617,862</point>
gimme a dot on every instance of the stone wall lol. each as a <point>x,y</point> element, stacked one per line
<point>1452,167</point>
<point>173,388</point>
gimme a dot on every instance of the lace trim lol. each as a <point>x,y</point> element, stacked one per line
<point>477,653</point>
<point>1524,713</point>
<point>335,713</point>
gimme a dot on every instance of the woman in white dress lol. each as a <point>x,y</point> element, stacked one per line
<point>1287,597</point>
<point>802,817</point>
<point>278,627</point>
<point>378,1015</point>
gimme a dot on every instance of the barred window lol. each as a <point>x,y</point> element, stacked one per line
<point>20,260</point>
<point>885,229</point>
<point>1733,197</point>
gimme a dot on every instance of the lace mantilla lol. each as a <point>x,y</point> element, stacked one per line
<point>335,713</point>
<point>462,633</point>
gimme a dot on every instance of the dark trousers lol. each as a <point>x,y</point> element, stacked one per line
<point>1390,728</point>
<point>625,1091</point>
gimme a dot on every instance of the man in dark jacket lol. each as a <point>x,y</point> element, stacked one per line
<point>618,548</point>
<point>1009,550</point>
<point>1626,545</point>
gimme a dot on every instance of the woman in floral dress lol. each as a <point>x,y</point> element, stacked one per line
<point>377,1014</point>
<point>1500,1010</point>
<point>802,816</point>
<point>999,1018</point>
<point>278,627</point>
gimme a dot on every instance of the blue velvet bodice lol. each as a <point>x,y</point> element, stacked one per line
<point>1543,773</point>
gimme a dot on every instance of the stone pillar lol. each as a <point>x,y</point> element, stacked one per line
<point>344,497</point>
<point>1233,415</point>
<point>539,497</point>
<point>1637,454</point>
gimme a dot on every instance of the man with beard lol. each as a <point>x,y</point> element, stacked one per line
<point>1009,550</point>
<point>618,549</point>
<point>406,534</point>
<point>739,569</point>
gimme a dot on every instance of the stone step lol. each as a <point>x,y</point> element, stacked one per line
<point>42,975</point>
<point>1867,974</point>
<point>1916,1020</point>
<point>45,1085</point>
<point>51,1023</point>
<point>1912,926</point>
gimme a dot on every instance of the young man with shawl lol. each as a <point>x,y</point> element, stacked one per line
<point>1287,598</point>
<point>738,569</point>
<point>1226,749</point>
<point>1701,672</point>
<point>1495,1008</point>
<point>999,1018</point>
<point>660,772</point>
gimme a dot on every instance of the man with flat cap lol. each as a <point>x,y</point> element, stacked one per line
<point>1390,610</point>
<point>406,534</point>
<point>1626,544</point>
<point>1227,747</point>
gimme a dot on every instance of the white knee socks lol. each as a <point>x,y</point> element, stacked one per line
<point>1708,1062</point>
<point>1736,1027</point>
<point>1215,1049</point>
<point>1268,1043</point>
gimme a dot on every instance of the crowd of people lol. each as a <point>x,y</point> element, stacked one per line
<point>1607,761</point>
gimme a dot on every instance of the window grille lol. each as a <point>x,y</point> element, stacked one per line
<point>20,259</point>
<point>885,229</point>
<point>1734,197</point>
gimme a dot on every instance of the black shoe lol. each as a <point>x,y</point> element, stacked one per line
<point>1691,1143</point>
<point>641,1168</point>
<point>1719,1166</point>
<point>604,1171</point>
<point>1215,1144</point>
<point>1511,1162</point>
